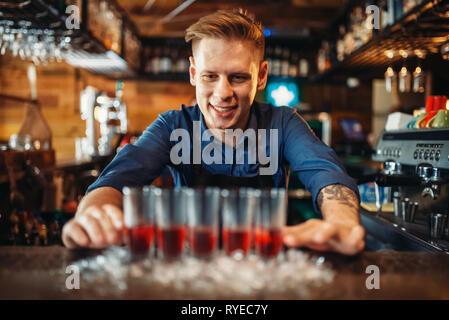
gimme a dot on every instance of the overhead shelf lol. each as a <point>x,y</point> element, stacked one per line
<point>87,52</point>
<point>424,28</point>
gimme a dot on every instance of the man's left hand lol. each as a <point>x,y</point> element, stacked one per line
<point>346,238</point>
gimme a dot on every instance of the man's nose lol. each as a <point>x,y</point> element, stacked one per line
<point>223,89</point>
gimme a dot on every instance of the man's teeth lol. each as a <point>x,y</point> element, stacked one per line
<point>223,109</point>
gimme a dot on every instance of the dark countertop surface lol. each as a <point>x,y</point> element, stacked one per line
<point>39,273</point>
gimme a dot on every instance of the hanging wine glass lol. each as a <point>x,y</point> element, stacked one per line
<point>419,76</point>
<point>404,75</point>
<point>390,74</point>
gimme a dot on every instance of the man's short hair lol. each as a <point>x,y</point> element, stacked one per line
<point>228,24</point>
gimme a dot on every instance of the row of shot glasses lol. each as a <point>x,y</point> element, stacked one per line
<point>170,223</point>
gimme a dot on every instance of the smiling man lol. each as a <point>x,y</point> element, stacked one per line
<point>227,69</point>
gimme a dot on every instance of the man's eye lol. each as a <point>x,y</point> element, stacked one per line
<point>209,77</point>
<point>238,78</point>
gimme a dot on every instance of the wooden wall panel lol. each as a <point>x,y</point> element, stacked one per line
<point>59,87</point>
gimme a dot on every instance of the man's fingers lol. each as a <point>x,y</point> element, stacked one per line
<point>356,238</point>
<point>115,214</point>
<point>93,228</point>
<point>74,236</point>
<point>352,244</point>
<point>313,232</point>
<point>296,236</point>
<point>323,233</point>
<point>323,236</point>
<point>109,231</point>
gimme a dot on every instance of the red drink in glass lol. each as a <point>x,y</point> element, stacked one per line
<point>203,240</point>
<point>171,240</point>
<point>236,239</point>
<point>140,239</point>
<point>268,242</point>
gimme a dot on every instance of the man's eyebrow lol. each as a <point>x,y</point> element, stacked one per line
<point>244,74</point>
<point>241,73</point>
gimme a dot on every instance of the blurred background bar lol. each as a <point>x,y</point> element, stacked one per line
<point>81,79</point>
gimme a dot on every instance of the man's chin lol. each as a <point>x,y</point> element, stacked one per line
<point>223,124</point>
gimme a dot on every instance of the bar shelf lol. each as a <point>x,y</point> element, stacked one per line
<point>424,28</point>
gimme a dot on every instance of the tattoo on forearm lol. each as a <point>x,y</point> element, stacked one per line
<point>339,193</point>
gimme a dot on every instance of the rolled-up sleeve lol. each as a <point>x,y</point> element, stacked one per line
<point>141,163</point>
<point>316,164</point>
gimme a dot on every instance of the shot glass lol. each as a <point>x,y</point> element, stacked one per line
<point>171,222</point>
<point>203,207</point>
<point>270,218</point>
<point>138,210</point>
<point>238,211</point>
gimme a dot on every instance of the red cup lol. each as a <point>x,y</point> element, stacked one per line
<point>432,103</point>
<point>439,103</point>
<point>429,103</point>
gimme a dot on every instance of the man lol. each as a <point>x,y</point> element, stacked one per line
<point>227,69</point>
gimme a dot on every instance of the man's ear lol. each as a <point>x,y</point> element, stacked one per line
<point>192,71</point>
<point>262,76</point>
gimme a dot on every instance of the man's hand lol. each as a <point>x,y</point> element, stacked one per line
<point>322,235</point>
<point>95,227</point>
<point>340,230</point>
<point>98,222</point>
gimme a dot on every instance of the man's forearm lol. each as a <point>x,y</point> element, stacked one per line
<point>339,204</point>
<point>100,197</point>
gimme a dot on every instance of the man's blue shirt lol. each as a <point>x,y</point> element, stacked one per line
<point>315,164</point>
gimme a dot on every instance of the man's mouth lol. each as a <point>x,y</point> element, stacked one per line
<point>223,111</point>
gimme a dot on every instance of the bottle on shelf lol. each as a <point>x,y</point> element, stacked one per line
<point>383,6</point>
<point>303,67</point>
<point>269,59</point>
<point>276,70</point>
<point>368,24</point>
<point>293,66</point>
<point>341,43</point>
<point>408,5</point>
<point>165,61</point>
<point>398,9</point>
<point>182,64</point>
<point>155,61</point>
<point>321,60</point>
<point>285,62</point>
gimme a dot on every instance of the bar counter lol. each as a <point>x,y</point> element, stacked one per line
<point>39,273</point>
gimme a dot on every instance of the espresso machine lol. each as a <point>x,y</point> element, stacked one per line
<point>106,120</point>
<point>416,174</point>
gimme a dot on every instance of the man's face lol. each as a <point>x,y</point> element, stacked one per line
<point>227,76</point>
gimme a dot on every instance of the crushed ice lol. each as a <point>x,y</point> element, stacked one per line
<point>221,276</point>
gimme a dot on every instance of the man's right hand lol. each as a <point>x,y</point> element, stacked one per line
<point>94,227</point>
<point>98,222</point>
